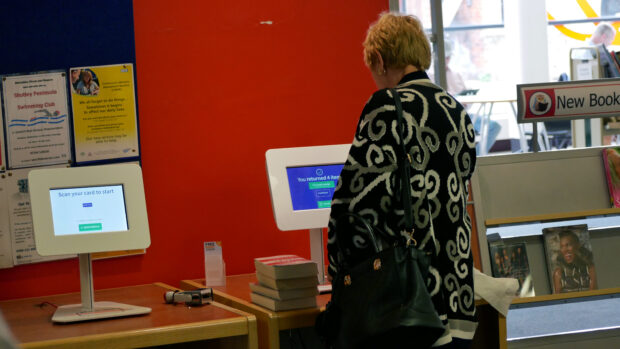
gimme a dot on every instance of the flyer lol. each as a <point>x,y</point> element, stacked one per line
<point>36,119</point>
<point>2,159</point>
<point>6,255</point>
<point>105,123</point>
<point>20,220</point>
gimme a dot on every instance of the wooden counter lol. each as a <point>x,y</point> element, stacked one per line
<point>220,325</point>
<point>236,294</point>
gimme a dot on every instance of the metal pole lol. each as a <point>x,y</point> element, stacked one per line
<point>438,44</point>
<point>394,6</point>
<point>535,145</point>
<point>86,282</point>
<point>317,247</point>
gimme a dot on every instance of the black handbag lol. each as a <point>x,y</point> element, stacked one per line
<point>382,301</point>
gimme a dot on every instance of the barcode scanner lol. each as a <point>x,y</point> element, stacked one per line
<point>195,297</point>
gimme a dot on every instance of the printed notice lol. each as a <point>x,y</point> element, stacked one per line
<point>20,220</point>
<point>105,123</point>
<point>584,71</point>
<point>36,119</point>
<point>6,255</point>
<point>2,159</point>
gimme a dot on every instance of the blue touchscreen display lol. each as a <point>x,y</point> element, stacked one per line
<point>312,186</point>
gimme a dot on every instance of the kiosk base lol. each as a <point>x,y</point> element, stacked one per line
<point>101,310</point>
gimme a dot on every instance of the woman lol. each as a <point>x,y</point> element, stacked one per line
<point>440,139</point>
<point>87,86</point>
<point>575,271</point>
<point>75,79</point>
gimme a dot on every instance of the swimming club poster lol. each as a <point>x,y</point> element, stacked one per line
<point>36,119</point>
<point>105,123</point>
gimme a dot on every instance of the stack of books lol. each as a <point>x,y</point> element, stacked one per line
<point>285,282</point>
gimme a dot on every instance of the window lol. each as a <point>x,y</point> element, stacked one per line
<point>478,49</point>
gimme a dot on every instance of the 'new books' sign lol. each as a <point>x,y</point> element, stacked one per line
<point>568,100</point>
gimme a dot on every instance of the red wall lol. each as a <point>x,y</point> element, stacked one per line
<point>216,89</point>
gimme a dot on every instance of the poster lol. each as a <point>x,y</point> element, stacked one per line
<point>2,159</point>
<point>36,119</point>
<point>20,220</point>
<point>105,122</point>
<point>6,256</point>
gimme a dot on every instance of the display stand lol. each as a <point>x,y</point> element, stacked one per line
<point>320,161</point>
<point>89,309</point>
<point>511,191</point>
<point>316,252</point>
<point>506,187</point>
<point>585,64</point>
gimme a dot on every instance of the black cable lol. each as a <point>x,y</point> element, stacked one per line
<point>42,304</point>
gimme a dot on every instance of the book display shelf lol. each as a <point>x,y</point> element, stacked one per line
<point>587,63</point>
<point>516,197</point>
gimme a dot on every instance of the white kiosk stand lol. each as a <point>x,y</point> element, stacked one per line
<point>89,309</point>
<point>84,210</point>
<point>301,182</point>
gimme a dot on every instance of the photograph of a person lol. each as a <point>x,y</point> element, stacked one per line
<point>75,79</point>
<point>510,261</point>
<point>88,83</point>
<point>570,260</point>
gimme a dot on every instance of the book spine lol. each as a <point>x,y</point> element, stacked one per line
<point>615,200</point>
<point>614,58</point>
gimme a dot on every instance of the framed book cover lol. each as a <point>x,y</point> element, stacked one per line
<point>611,161</point>
<point>570,261</point>
<point>511,261</point>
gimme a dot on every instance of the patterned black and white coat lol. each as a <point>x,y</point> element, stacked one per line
<point>440,138</point>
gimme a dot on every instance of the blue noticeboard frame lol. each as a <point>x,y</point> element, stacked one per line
<point>39,35</point>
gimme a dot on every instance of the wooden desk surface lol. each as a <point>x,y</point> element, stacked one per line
<point>238,289</point>
<point>166,324</point>
<point>236,293</point>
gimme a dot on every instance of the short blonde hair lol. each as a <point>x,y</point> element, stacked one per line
<point>400,39</point>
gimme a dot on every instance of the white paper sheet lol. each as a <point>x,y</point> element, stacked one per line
<point>20,220</point>
<point>36,119</point>
<point>3,165</point>
<point>584,71</point>
<point>6,250</point>
<point>499,292</point>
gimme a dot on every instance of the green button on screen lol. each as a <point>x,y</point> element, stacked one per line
<point>90,227</point>
<point>324,204</point>
<point>321,185</point>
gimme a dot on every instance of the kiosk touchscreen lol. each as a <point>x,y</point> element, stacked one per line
<point>82,210</point>
<point>302,182</point>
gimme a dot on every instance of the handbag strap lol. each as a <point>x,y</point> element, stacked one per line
<point>404,161</point>
<point>405,169</point>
